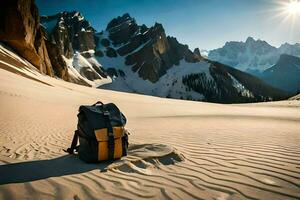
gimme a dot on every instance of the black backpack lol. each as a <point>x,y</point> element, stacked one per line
<point>101,133</point>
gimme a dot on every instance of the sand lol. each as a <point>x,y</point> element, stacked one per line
<point>179,149</point>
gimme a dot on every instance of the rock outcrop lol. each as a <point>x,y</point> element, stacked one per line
<point>20,29</point>
<point>70,32</point>
<point>197,53</point>
<point>59,66</point>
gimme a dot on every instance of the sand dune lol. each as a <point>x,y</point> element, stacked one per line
<point>180,149</point>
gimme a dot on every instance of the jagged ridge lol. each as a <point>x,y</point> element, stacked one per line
<point>252,56</point>
<point>136,58</point>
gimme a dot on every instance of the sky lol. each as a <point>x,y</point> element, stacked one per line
<point>207,24</point>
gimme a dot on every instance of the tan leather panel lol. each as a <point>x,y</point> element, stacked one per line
<point>102,139</point>
<point>118,148</point>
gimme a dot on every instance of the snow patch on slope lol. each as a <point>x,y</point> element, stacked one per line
<point>240,88</point>
<point>169,85</point>
<point>75,65</point>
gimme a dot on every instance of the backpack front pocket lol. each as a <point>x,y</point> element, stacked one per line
<point>103,143</point>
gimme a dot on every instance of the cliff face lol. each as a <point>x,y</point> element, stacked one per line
<point>59,66</point>
<point>75,40</point>
<point>70,32</point>
<point>20,29</point>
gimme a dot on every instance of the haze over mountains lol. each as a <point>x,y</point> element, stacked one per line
<point>261,59</point>
<point>252,56</point>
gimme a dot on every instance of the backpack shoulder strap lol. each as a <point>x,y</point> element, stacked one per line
<point>73,144</point>
<point>110,135</point>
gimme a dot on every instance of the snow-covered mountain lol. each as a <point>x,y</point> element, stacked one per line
<point>289,49</point>
<point>125,56</point>
<point>254,56</point>
<point>136,58</point>
<point>204,53</point>
<point>75,38</point>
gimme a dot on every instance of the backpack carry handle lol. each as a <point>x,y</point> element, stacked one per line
<point>98,102</point>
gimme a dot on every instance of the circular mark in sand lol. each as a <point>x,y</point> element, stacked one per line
<point>143,156</point>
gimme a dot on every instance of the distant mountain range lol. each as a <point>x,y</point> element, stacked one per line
<point>254,56</point>
<point>128,57</point>
<point>277,66</point>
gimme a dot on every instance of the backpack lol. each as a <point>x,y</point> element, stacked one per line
<point>101,133</point>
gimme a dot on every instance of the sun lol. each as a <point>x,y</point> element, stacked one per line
<point>285,14</point>
<point>293,7</point>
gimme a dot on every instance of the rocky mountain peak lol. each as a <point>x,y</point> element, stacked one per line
<point>288,45</point>
<point>158,25</point>
<point>122,28</point>
<point>250,40</point>
<point>125,18</point>
<point>197,52</point>
<point>291,49</point>
<point>148,50</point>
<point>252,55</point>
<point>70,31</point>
<point>258,46</point>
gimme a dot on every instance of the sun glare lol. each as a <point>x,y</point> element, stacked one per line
<point>293,7</point>
<point>288,13</point>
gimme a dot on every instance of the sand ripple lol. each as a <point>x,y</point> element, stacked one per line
<point>183,150</point>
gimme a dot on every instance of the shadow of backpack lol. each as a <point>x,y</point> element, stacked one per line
<point>101,133</point>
